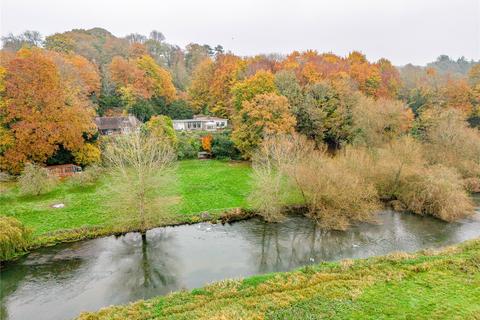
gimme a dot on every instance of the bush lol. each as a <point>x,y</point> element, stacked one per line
<point>5,177</point>
<point>437,191</point>
<point>336,193</point>
<point>334,189</point>
<point>274,173</point>
<point>224,148</point>
<point>188,146</point>
<point>348,186</point>
<point>36,180</point>
<point>14,237</point>
<point>377,122</point>
<point>450,142</point>
<point>390,165</point>
<point>268,194</point>
<point>88,177</point>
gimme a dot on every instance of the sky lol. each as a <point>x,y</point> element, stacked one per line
<point>408,31</point>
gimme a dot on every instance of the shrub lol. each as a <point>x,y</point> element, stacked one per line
<point>450,142</point>
<point>334,190</point>
<point>274,173</point>
<point>336,194</point>
<point>36,180</point>
<point>437,191</point>
<point>5,177</point>
<point>207,143</point>
<point>376,122</point>
<point>161,127</point>
<point>87,155</point>
<point>88,177</point>
<point>14,237</point>
<point>188,146</point>
<point>268,193</point>
<point>224,148</point>
<point>391,164</point>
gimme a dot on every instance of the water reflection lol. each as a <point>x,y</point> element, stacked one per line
<point>61,281</point>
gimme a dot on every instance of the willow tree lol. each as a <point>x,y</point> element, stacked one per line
<point>139,164</point>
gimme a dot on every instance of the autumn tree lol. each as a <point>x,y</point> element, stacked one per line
<point>161,78</point>
<point>245,90</point>
<point>325,114</point>
<point>263,62</point>
<point>141,83</point>
<point>194,55</point>
<point>287,85</point>
<point>161,127</point>
<point>43,110</point>
<point>227,72</point>
<point>390,79</point>
<point>265,114</point>
<point>126,74</point>
<point>457,94</point>
<point>59,42</point>
<point>199,89</point>
<point>143,77</point>
<point>474,75</point>
<point>376,122</point>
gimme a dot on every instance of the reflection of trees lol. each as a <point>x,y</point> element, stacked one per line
<point>118,270</point>
<point>46,265</point>
<point>150,262</point>
<point>152,275</point>
<point>299,241</point>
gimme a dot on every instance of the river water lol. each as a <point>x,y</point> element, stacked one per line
<point>61,281</point>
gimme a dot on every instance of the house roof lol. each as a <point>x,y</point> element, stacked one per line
<point>206,118</point>
<point>111,123</point>
<point>201,118</point>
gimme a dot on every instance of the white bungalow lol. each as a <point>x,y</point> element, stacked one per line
<point>201,123</point>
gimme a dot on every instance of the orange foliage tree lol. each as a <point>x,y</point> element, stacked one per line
<point>457,94</point>
<point>227,71</point>
<point>245,90</point>
<point>42,109</point>
<point>199,89</point>
<point>266,114</point>
<point>143,77</point>
<point>379,79</point>
<point>207,143</point>
<point>212,83</point>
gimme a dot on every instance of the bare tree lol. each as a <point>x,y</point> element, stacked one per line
<point>139,163</point>
<point>157,36</point>
<point>275,173</point>
<point>136,38</point>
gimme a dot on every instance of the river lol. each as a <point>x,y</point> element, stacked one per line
<point>61,281</point>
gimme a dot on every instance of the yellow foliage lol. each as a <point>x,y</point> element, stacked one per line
<point>162,80</point>
<point>87,155</point>
<point>266,114</point>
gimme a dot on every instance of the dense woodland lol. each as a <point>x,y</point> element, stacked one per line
<point>51,88</point>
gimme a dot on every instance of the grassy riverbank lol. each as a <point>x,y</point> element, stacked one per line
<point>196,186</point>
<point>430,284</point>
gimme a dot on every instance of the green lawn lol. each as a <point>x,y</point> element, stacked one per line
<point>429,285</point>
<point>200,186</point>
<point>212,185</point>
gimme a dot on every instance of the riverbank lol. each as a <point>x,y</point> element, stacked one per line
<point>430,284</point>
<point>199,191</point>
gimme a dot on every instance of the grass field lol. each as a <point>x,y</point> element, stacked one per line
<point>200,186</point>
<point>428,285</point>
